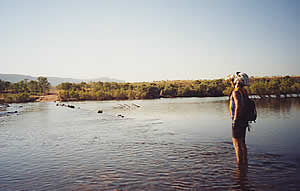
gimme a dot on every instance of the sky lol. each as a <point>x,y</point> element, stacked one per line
<point>149,40</point>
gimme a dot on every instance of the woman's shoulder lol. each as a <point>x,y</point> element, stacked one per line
<point>236,92</point>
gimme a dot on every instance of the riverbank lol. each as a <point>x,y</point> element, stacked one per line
<point>261,87</point>
<point>25,97</point>
<point>51,96</point>
<point>40,91</point>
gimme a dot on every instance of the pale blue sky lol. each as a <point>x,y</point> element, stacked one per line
<point>139,40</point>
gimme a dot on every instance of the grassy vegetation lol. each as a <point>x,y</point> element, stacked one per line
<point>17,98</point>
<point>23,91</point>
<point>263,87</point>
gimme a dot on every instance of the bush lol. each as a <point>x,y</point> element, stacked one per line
<point>178,88</point>
<point>18,98</point>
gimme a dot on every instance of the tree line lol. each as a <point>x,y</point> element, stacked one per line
<point>267,86</point>
<point>262,87</point>
<point>23,91</point>
<point>139,90</point>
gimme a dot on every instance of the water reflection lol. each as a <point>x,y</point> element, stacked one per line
<point>241,178</point>
<point>278,105</point>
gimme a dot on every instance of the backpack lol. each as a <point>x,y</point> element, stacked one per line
<point>250,110</point>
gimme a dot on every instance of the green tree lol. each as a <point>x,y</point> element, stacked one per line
<point>4,85</point>
<point>15,87</point>
<point>274,87</point>
<point>258,88</point>
<point>131,94</point>
<point>43,84</point>
<point>227,91</point>
<point>286,85</point>
<point>33,87</point>
<point>152,92</point>
<point>296,89</point>
<point>65,86</point>
<point>169,91</point>
<point>183,88</point>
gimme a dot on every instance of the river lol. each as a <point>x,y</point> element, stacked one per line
<point>161,144</point>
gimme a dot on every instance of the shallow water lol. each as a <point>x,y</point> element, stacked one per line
<point>163,144</point>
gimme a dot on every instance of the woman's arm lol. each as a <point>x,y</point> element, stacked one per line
<point>237,106</point>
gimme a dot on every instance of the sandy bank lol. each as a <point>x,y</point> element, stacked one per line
<point>51,96</point>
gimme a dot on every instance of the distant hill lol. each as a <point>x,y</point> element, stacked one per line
<point>54,81</point>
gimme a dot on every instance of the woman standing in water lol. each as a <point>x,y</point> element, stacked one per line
<point>237,113</point>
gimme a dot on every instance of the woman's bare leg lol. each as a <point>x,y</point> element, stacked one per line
<point>244,151</point>
<point>238,150</point>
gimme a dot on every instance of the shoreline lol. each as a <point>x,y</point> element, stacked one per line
<point>53,97</point>
<point>47,98</point>
<point>50,97</point>
<point>254,97</point>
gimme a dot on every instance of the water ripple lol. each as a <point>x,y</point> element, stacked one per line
<point>52,148</point>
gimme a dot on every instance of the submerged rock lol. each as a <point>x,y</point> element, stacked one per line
<point>120,115</point>
<point>12,112</point>
<point>136,105</point>
<point>65,105</point>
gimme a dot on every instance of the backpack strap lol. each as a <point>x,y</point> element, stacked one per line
<point>242,94</point>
